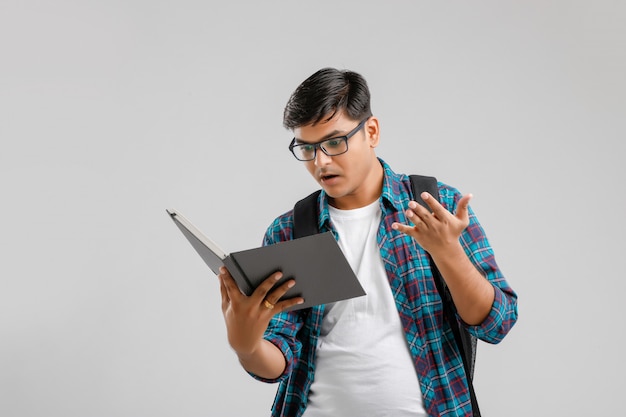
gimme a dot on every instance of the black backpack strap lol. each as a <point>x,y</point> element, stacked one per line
<point>465,342</point>
<point>305,216</point>
<point>421,183</point>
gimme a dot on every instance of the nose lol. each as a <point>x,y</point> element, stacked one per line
<point>321,158</point>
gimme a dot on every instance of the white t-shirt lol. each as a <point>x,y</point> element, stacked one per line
<point>363,364</point>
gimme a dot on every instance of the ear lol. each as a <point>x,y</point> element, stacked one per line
<point>372,131</point>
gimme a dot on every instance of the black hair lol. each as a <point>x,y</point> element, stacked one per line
<point>326,93</point>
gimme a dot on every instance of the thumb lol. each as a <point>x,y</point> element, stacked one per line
<point>462,210</point>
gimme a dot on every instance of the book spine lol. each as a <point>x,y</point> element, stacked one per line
<point>238,275</point>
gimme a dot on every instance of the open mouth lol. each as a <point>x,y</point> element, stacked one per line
<point>328,177</point>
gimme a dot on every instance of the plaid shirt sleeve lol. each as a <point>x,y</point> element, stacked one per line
<point>503,314</point>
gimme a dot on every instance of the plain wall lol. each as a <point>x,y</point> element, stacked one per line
<point>111,112</point>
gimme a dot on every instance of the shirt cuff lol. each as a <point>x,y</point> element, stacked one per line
<point>281,344</point>
<point>489,329</point>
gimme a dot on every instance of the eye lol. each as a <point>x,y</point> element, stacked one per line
<point>307,148</point>
<point>334,143</point>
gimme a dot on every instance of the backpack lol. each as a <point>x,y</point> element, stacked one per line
<point>305,223</point>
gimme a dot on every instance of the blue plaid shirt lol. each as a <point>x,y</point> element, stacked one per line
<point>437,361</point>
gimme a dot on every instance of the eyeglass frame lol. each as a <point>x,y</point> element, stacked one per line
<point>319,144</point>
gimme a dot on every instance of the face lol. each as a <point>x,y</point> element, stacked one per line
<point>352,179</point>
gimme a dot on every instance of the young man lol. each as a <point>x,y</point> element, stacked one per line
<point>389,353</point>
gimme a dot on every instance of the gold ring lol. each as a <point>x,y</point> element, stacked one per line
<point>268,305</point>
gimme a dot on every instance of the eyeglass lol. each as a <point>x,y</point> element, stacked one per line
<point>331,147</point>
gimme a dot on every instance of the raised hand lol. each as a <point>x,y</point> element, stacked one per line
<point>438,229</point>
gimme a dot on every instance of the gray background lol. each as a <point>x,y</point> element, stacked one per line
<point>111,112</point>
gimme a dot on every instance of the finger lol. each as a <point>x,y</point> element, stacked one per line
<point>277,293</point>
<point>223,292</point>
<point>285,304</point>
<point>232,289</point>
<point>406,229</point>
<point>221,280</point>
<point>462,210</point>
<point>418,215</point>
<point>261,291</point>
<point>436,209</point>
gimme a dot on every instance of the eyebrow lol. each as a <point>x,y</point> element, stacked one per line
<point>331,135</point>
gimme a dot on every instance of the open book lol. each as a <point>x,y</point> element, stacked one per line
<point>321,272</point>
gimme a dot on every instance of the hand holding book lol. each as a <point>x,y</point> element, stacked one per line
<point>247,317</point>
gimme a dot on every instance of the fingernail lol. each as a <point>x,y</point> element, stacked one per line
<point>291,284</point>
<point>412,204</point>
